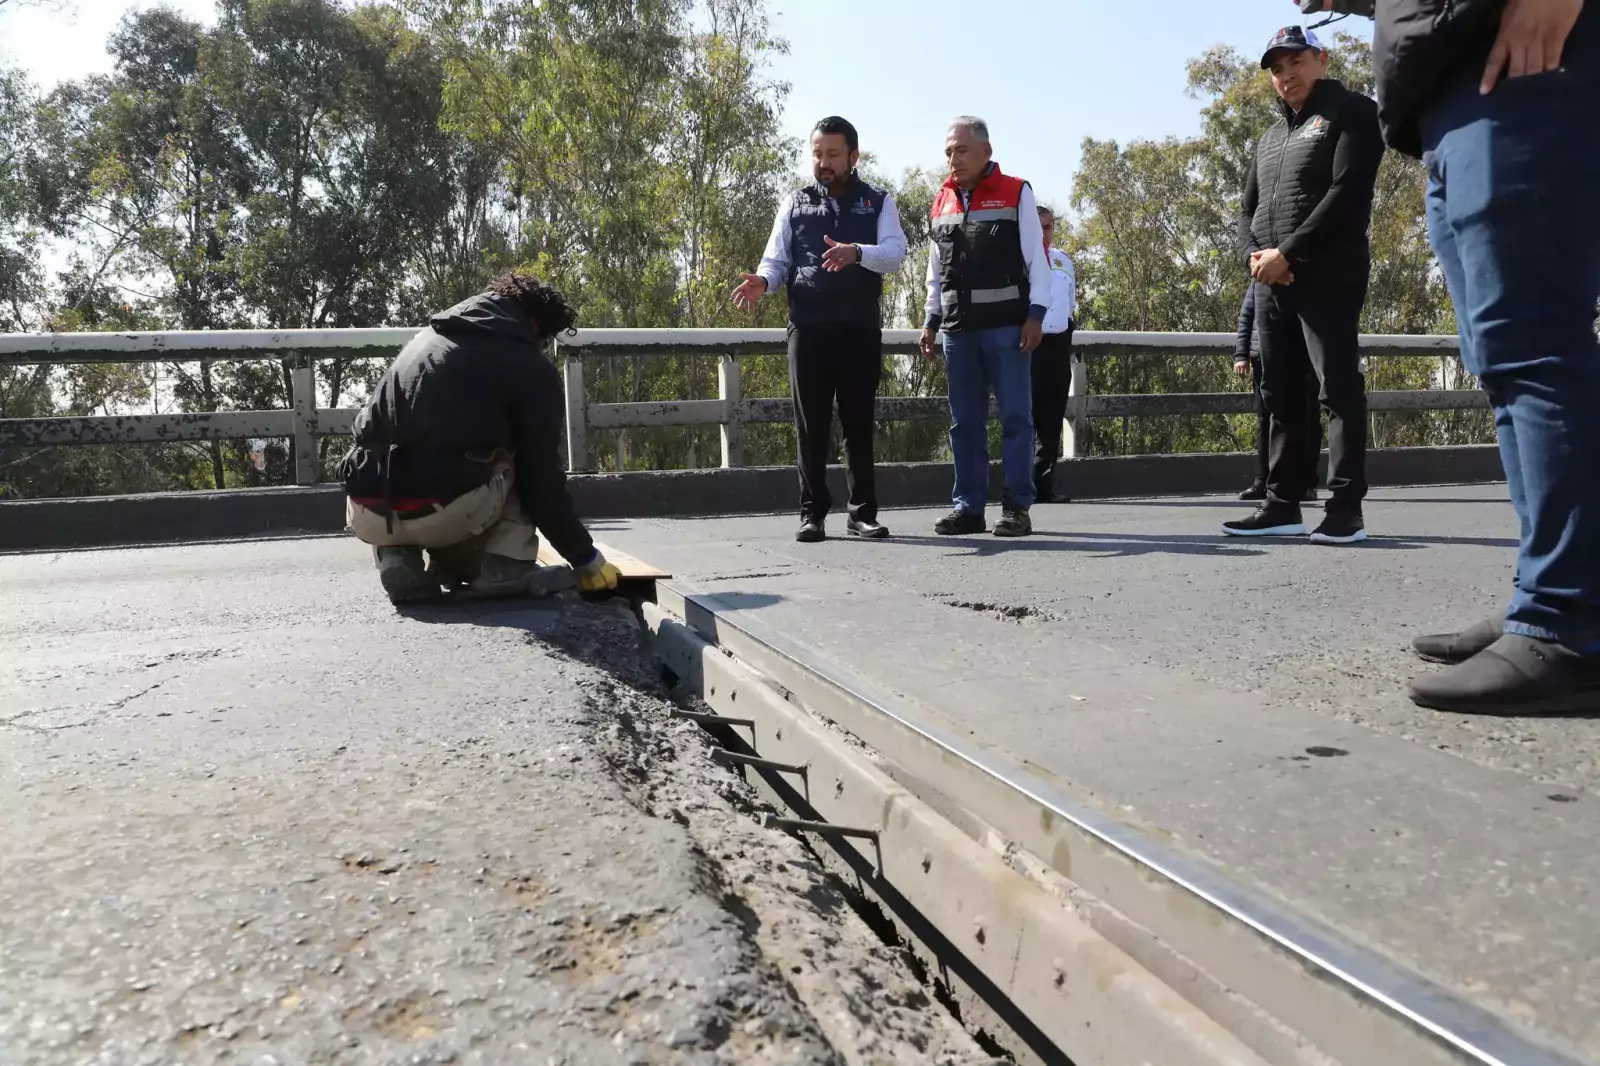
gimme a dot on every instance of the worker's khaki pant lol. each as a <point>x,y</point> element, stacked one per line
<point>487,519</point>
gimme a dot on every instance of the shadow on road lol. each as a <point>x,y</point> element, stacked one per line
<point>1134,544</point>
<point>1117,543</point>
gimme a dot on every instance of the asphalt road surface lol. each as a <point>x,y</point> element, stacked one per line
<point>1243,699</point>
<point>252,815</point>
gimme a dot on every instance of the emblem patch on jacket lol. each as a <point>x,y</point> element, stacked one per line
<point>1315,127</point>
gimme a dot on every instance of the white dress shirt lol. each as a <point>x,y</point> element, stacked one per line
<point>1063,292</point>
<point>1033,255</point>
<point>881,258</point>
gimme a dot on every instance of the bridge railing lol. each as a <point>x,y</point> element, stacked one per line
<point>304,422</point>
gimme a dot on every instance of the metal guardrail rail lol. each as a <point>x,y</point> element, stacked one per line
<point>304,422</point>
<point>1351,1003</point>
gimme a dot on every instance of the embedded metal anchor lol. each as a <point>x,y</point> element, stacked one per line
<point>828,829</point>
<point>713,719</point>
<point>725,756</point>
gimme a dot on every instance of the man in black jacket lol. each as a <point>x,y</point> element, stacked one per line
<point>1303,234</point>
<point>459,453</point>
<point>1499,98</point>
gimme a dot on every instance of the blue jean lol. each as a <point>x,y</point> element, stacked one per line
<point>1514,215</point>
<point>977,361</point>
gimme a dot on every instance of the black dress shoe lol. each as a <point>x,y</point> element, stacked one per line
<point>1516,675</point>
<point>864,527</point>
<point>1257,491</point>
<point>1452,648</point>
<point>811,531</point>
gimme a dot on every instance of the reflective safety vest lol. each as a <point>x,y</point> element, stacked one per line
<point>984,280</point>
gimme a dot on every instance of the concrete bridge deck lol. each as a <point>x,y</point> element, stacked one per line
<point>1244,700</point>
<point>250,808</point>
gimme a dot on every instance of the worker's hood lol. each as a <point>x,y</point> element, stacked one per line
<point>490,315</point>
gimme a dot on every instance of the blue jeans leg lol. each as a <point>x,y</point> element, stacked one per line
<point>967,372</point>
<point>1012,369</point>
<point>1513,215</point>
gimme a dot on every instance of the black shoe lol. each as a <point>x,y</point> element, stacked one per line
<point>1515,675</point>
<point>1271,520</point>
<point>811,531</point>
<point>1014,522</point>
<point>1340,527</point>
<point>959,522</point>
<point>404,576</point>
<point>1452,648</point>
<point>1256,491</point>
<point>1311,494</point>
<point>864,527</point>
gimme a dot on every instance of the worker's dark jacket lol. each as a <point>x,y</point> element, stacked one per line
<point>470,384</point>
<point>1309,192</point>
<point>1418,46</point>
<point>1245,335</point>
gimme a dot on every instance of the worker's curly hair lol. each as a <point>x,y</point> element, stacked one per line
<point>549,313</point>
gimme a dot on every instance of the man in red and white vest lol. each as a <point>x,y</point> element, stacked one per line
<point>989,288</point>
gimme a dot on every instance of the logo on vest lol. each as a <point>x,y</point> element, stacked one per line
<point>1316,127</point>
<point>862,206</point>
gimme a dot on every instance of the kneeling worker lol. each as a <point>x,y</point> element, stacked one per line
<point>459,453</point>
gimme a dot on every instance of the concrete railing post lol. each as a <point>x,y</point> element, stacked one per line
<point>732,397</point>
<point>1077,420</point>
<point>302,378</point>
<point>577,409</point>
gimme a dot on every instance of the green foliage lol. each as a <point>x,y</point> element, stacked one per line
<point>310,163</point>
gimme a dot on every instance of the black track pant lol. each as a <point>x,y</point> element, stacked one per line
<point>1264,425</point>
<point>835,363</point>
<point>1310,330</point>
<point>1052,382</point>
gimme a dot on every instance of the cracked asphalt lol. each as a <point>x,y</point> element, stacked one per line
<point>254,816</point>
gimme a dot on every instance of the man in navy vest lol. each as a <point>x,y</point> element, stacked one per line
<point>831,244</point>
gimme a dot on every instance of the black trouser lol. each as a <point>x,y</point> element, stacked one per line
<point>829,362</point>
<point>1311,329</point>
<point>1264,425</point>
<point>1052,383</point>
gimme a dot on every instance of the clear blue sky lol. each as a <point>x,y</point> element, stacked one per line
<point>1043,73</point>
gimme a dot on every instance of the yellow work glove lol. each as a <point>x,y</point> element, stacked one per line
<point>597,575</point>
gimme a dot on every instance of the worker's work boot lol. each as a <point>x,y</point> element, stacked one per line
<point>500,576</point>
<point>404,576</point>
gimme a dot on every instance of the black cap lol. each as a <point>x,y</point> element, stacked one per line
<point>1291,39</point>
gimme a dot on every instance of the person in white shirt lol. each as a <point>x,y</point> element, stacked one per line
<point>988,292</point>
<point>832,244</point>
<point>1052,365</point>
